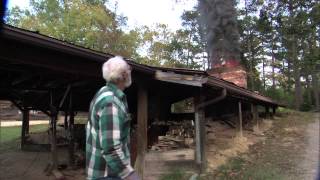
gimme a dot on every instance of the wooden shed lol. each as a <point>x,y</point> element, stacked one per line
<point>42,73</point>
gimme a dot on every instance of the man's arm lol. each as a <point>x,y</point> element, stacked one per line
<point>109,132</point>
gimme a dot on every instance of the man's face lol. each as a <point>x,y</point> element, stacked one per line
<point>128,80</point>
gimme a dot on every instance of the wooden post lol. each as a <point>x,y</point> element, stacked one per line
<point>53,125</point>
<point>255,115</point>
<point>71,131</point>
<point>142,136</point>
<point>203,141</point>
<point>71,138</point>
<point>200,132</point>
<point>25,123</point>
<point>66,126</point>
<point>240,120</point>
<point>274,108</point>
<point>252,111</point>
<point>267,112</point>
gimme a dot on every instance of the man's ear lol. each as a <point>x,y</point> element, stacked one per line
<point>124,76</point>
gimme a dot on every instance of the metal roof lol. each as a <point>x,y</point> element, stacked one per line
<point>95,57</point>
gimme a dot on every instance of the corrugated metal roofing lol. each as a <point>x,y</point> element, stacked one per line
<point>65,47</point>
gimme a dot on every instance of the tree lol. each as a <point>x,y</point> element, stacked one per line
<point>86,23</point>
<point>192,47</point>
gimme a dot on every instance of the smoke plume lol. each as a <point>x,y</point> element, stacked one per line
<point>218,20</point>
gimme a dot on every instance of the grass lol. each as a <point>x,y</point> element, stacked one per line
<point>10,136</point>
<point>276,157</point>
<point>239,168</point>
<point>175,174</point>
<point>14,132</point>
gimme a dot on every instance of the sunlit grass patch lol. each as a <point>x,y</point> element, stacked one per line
<point>174,174</point>
<point>10,136</point>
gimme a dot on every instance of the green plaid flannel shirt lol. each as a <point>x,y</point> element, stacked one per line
<point>108,135</point>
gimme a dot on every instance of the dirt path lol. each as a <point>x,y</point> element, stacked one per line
<point>22,165</point>
<point>310,163</point>
<point>289,152</point>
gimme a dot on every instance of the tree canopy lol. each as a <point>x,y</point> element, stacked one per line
<point>279,40</point>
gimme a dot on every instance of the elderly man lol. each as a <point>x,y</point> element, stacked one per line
<point>108,128</point>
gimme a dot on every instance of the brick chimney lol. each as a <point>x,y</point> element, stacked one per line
<point>230,71</point>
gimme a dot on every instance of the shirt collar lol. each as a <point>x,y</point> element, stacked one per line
<point>119,93</point>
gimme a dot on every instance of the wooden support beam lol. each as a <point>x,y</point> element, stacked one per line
<point>65,123</point>
<point>17,105</point>
<point>22,79</point>
<point>142,136</point>
<point>274,108</point>
<point>25,123</point>
<point>28,123</point>
<point>239,124</point>
<point>191,80</point>
<point>181,116</point>
<point>71,130</point>
<point>255,115</point>
<point>53,133</point>
<point>71,138</point>
<point>267,112</point>
<point>200,134</point>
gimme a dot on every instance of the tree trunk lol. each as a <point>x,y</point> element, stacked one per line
<point>315,89</point>
<point>251,70</point>
<point>315,80</point>
<point>273,64</point>
<point>296,72</point>
<point>289,75</point>
<point>293,48</point>
<point>309,89</point>
<point>263,75</point>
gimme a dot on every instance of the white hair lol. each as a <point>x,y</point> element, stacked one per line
<point>113,69</point>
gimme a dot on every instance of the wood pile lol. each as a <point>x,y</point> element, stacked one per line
<point>5,105</point>
<point>179,135</point>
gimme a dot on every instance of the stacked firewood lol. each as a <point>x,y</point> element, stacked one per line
<point>179,135</point>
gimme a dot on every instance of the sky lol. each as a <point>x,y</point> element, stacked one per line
<point>142,12</point>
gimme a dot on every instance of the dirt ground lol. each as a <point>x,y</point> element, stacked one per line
<point>310,163</point>
<point>18,165</point>
<point>30,165</point>
<point>289,150</point>
<point>160,163</point>
<point>224,142</point>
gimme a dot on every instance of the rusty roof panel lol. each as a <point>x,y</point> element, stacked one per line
<point>34,38</point>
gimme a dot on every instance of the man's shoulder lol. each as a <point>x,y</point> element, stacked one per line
<point>104,96</point>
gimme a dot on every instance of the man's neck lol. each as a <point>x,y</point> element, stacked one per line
<point>120,86</point>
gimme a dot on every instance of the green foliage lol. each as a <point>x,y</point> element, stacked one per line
<point>281,95</point>
<point>281,37</point>
<point>284,41</point>
<point>85,23</point>
<point>235,169</point>
<point>175,174</point>
<point>306,104</point>
<point>234,165</point>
